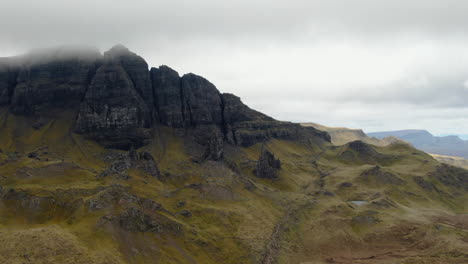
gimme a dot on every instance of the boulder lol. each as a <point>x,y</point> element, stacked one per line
<point>185,213</point>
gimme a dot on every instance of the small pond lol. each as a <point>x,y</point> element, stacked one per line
<point>358,203</point>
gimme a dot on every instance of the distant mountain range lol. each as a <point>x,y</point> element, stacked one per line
<point>104,160</point>
<point>422,139</point>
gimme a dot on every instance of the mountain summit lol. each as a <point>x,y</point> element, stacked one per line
<point>117,101</point>
<point>104,160</point>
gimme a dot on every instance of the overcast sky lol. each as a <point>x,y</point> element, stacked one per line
<point>371,64</point>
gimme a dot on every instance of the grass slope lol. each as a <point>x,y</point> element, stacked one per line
<point>61,211</point>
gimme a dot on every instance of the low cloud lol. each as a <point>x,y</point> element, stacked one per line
<point>373,64</point>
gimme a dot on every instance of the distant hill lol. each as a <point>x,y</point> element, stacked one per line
<point>422,139</point>
<point>343,135</point>
<point>455,161</point>
<point>105,161</point>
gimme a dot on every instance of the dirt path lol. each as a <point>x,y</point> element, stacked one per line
<point>273,246</point>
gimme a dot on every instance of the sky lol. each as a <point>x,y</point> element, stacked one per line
<point>371,64</point>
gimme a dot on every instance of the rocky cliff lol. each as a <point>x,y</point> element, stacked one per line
<point>213,181</point>
<point>119,102</point>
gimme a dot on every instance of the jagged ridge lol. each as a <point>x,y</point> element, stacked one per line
<point>118,101</point>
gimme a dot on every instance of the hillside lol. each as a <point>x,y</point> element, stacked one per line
<point>422,139</point>
<point>105,161</point>
<point>343,135</point>
<point>455,161</point>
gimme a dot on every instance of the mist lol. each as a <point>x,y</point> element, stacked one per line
<point>376,65</point>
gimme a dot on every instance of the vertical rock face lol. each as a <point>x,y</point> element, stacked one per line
<point>56,79</point>
<point>267,165</point>
<point>235,111</point>
<point>167,96</point>
<point>136,68</point>
<point>113,112</point>
<point>246,127</point>
<point>119,100</point>
<point>201,101</point>
<point>8,75</point>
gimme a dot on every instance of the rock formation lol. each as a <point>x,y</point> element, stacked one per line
<point>119,102</point>
<point>57,79</point>
<point>267,165</point>
<point>167,96</point>
<point>112,112</point>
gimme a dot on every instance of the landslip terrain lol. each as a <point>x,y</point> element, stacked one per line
<point>105,160</point>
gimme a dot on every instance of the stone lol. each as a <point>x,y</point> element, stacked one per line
<point>451,176</point>
<point>147,164</point>
<point>267,165</point>
<point>378,176</point>
<point>113,113</point>
<point>185,213</point>
<point>33,155</point>
<point>8,76</point>
<point>133,219</point>
<point>211,139</point>
<point>168,96</point>
<point>120,165</point>
<point>346,185</point>
<point>118,102</point>
<point>368,218</point>
<point>201,101</point>
<point>136,68</point>
<point>136,220</point>
<point>426,185</point>
<point>235,111</point>
<point>56,78</point>
<point>246,127</point>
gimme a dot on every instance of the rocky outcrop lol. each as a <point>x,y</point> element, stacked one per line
<point>267,165</point>
<point>119,101</point>
<point>39,208</point>
<point>120,195</point>
<point>451,176</point>
<point>377,175</point>
<point>358,152</point>
<point>201,101</point>
<point>8,75</point>
<point>235,111</point>
<point>245,126</point>
<point>136,68</point>
<point>120,164</point>
<point>168,96</point>
<point>112,112</point>
<point>56,79</point>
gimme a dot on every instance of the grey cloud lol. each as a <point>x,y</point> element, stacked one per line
<point>364,63</point>
<point>104,21</point>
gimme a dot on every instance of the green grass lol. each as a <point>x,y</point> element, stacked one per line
<point>233,215</point>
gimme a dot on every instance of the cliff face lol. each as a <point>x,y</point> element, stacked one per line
<point>119,102</point>
<point>202,189</point>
